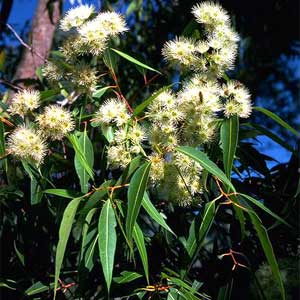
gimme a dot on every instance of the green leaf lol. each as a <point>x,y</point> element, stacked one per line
<point>37,288</point>
<point>206,163</point>
<point>64,233</point>
<point>80,154</point>
<point>88,152</point>
<point>268,250</point>
<point>36,193</point>
<point>263,207</point>
<point>277,120</point>
<point>107,240</point>
<point>99,93</point>
<point>141,107</point>
<point>140,243</point>
<point>229,138</point>
<point>19,254</point>
<point>154,214</point>
<point>85,229</point>
<point>137,187</point>
<point>8,284</point>
<point>126,277</point>
<point>108,132</point>
<point>62,193</point>
<point>134,61</point>
<point>196,237</point>
<point>111,60</point>
<point>129,170</point>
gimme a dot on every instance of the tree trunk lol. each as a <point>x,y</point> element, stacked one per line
<point>40,39</point>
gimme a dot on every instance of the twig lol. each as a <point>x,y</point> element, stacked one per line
<point>23,43</point>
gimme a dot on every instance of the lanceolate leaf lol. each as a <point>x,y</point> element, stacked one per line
<point>62,193</point>
<point>99,93</point>
<point>64,232</point>
<point>126,276</point>
<point>229,138</point>
<point>263,207</point>
<point>107,240</point>
<point>206,163</point>
<point>268,250</point>
<point>137,187</point>
<point>134,61</point>
<point>197,236</point>
<point>88,152</point>
<point>80,154</point>
<point>154,214</point>
<point>140,243</point>
<point>85,229</point>
<point>277,119</point>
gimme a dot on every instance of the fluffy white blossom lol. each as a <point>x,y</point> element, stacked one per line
<point>56,122</point>
<point>210,13</point>
<point>27,144</point>
<point>76,16</point>
<point>24,101</point>
<point>112,111</point>
<point>181,50</point>
<point>112,22</point>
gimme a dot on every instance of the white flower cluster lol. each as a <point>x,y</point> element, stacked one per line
<point>128,136</point>
<point>24,101</point>
<point>93,33</point>
<point>213,55</point>
<point>29,144</point>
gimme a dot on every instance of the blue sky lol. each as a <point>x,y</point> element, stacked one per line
<point>23,11</point>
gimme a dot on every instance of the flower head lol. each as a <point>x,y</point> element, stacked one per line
<point>24,101</point>
<point>55,122</point>
<point>27,144</point>
<point>112,23</point>
<point>211,14</point>
<point>181,50</point>
<point>76,16</point>
<point>93,36</point>
<point>112,111</point>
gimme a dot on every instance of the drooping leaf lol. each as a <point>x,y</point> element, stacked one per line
<point>37,288</point>
<point>19,254</point>
<point>138,237</point>
<point>277,120</point>
<point>137,187</point>
<point>111,60</point>
<point>196,236</point>
<point>134,61</point>
<point>36,193</point>
<point>229,139</point>
<point>85,229</point>
<point>268,250</point>
<point>88,152</point>
<point>154,214</point>
<point>263,207</point>
<point>64,233</point>
<point>126,277</point>
<point>62,193</point>
<point>107,240</point>
<point>108,132</point>
<point>206,163</point>
<point>80,154</point>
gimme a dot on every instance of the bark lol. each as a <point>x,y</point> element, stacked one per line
<point>40,39</point>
